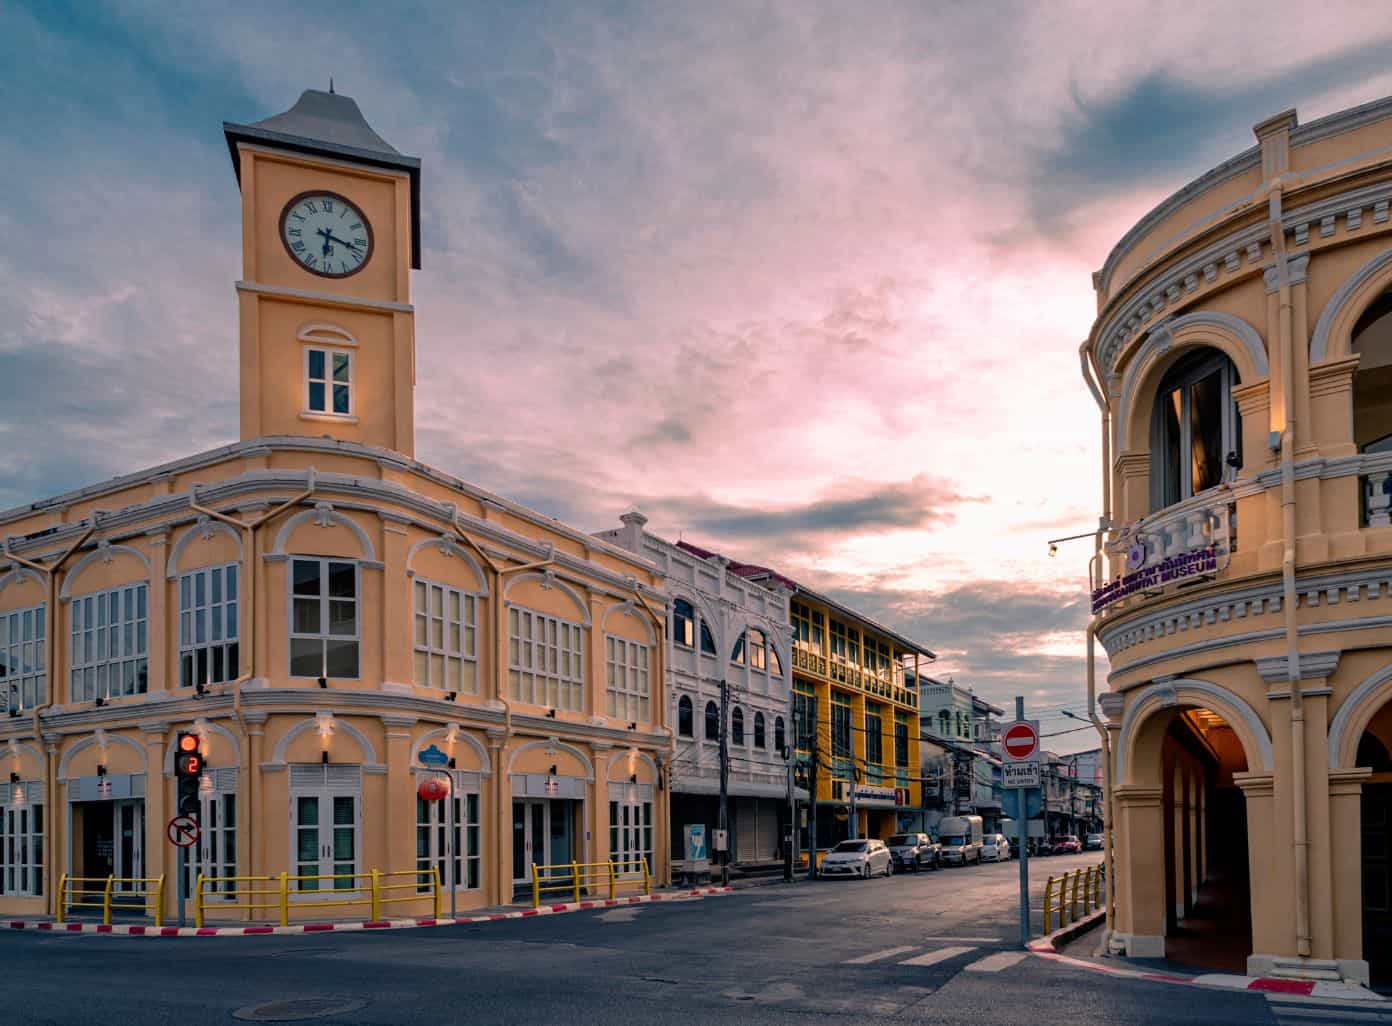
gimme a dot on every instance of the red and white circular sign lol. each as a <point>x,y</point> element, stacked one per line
<point>1020,741</point>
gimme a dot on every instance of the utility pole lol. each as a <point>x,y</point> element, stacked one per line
<point>790,839</point>
<point>812,797</point>
<point>724,825</point>
<point>854,832</point>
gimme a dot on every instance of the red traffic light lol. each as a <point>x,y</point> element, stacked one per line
<point>188,742</point>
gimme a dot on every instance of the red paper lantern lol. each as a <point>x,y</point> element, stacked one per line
<point>433,789</point>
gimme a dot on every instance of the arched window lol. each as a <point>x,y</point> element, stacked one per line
<point>712,722</point>
<point>737,655</point>
<point>1372,383</point>
<point>707,642</point>
<point>775,665</point>
<point>759,738</point>
<point>683,623</point>
<point>757,657</point>
<point>1195,430</point>
<point>737,726</point>
<point>685,727</point>
<point>780,737</point>
<point>942,720</point>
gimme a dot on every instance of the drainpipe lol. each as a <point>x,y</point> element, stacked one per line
<point>1286,429</point>
<point>1096,574</point>
<point>247,644</point>
<point>50,575</point>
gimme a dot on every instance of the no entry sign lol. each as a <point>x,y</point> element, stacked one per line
<point>1020,741</point>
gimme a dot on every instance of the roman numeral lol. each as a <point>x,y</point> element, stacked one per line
<point>360,243</point>
<point>298,217</point>
<point>295,232</point>
<point>355,227</point>
<point>310,261</point>
<point>309,205</point>
<point>298,247</point>
<point>328,206</point>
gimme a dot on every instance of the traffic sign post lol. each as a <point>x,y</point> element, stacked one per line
<point>1020,770</point>
<point>182,831</point>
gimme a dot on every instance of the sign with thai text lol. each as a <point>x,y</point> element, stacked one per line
<point>1181,567</point>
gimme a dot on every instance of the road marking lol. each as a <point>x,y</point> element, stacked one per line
<point>1322,1014</point>
<point>875,956</point>
<point>965,940</point>
<point>995,963</point>
<point>934,957</point>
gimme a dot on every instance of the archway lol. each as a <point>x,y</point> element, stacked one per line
<point>1187,861</point>
<point>1372,403</point>
<point>1375,843</point>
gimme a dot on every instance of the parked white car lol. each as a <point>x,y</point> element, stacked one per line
<point>865,858</point>
<point>995,848</point>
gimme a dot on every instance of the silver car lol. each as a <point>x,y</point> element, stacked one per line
<point>865,859</point>
<point>995,848</point>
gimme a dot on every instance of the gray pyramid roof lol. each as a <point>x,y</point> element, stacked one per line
<point>329,125</point>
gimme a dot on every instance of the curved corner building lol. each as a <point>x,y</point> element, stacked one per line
<point>1243,349</point>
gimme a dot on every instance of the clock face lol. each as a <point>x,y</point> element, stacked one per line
<point>326,234</point>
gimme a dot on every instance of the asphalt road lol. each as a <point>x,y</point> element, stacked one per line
<point>931,947</point>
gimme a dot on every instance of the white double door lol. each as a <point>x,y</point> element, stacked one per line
<point>214,854</point>
<point>326,828</point>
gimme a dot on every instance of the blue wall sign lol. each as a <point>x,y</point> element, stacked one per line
<point>432,756</point>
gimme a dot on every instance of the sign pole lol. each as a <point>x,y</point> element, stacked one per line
<point>1022,795</point>
<point>183,881</point>
<point>449,800</point>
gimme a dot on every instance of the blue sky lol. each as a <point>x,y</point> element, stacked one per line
<point>804,282</point>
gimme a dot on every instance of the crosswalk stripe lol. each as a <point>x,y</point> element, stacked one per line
<point>875,956</point>
<point>995,963</point>
<point>934,957</point>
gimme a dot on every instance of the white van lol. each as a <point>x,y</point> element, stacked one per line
<point>995,848</point>
<point>960,837</point>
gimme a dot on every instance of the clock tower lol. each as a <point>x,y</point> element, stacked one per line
<point>330,234</point>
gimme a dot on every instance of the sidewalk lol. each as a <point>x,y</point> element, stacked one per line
<point>1077,945</point>
<point>245,929</point>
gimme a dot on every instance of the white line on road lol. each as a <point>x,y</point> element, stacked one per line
<point>995,963</point>
<point>934,957</point>
<point>1287,1013</point>
<point>875,956</point>
<point>965,940</point>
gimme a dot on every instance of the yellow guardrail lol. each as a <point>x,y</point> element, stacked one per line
<point>75,892</point>
<point>576,876</point>
<point>1069,897</point>
<point>373,890</point>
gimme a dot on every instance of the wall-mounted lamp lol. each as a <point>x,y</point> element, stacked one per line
<point>633,779</point>
<point>451,762</point>
<point>14,778</point>
<point>633,726</point>
<point>200,689</point>
<point>101,769</point>
<point>323,682</point>
<point>551,713</point>
<point>100,701</point>
<point>552,770</point>
<point>450,696</point>
<point>324,756</point>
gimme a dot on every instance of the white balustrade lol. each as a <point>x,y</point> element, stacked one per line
<point>1377,498</point>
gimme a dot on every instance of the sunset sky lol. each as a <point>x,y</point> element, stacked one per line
<point>804,283</point>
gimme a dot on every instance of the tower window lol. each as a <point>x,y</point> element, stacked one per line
<point>329,380</point>
<point>1195,429</point>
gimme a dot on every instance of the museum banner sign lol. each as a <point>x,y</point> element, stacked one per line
<point>1180,567</point>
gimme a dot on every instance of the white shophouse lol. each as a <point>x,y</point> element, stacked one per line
<point>724,627</point>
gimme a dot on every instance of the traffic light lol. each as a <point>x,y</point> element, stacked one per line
<point>188,767</point>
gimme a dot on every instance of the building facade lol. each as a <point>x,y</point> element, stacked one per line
<point>724,627</point>
<point>855,718</point>
<point>1242,364</point>
<point>326,612</point>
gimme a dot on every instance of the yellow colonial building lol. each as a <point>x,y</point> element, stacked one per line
<point>855,717</point>
<point>330,616</point>
<point>1242,363</point>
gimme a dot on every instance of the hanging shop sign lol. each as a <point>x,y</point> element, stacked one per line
<point>1172,569</point>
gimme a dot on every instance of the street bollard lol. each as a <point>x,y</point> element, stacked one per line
<point>284,898</point>
<point>438,886</point>
<point>575,878</point>
<point>536,887</point>
<point>613,882</point>
<point>106,900</point>
<point>1048,908</point>
<point>376,895</point>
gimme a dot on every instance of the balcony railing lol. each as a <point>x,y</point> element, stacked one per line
<point>854,676</point>
<point>1376,480</point>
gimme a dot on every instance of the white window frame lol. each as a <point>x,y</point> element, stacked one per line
<point>445,646</point>
<point>1230,426</point>
<point>101,649</point>
<point>628,689</point>
<point>22,840</point>
<point>546,667</point>
<point>323,635</point>
<point>431,830</point>
<point>23,673</point>
<point>328,382</point>
<point>219,621</point>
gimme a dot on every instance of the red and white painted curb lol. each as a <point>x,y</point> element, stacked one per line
<point>123,930</point>
<point>1044,948</point>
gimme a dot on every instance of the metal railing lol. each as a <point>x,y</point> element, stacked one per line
<point>578,876</point>
<point>371,890</point>
<point>1071,896</point>
<point>80,892</point>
